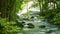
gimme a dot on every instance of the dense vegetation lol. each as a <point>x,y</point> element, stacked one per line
<point>50,9</point>
<point>8,9</point>
<point>8,27</point>
<point>8,16</point>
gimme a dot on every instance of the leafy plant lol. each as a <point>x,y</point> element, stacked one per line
<point>56,19</point>
<point>50,14</point>
<point>8,27</point>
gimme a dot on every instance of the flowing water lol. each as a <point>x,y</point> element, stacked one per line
<point>48,29</point>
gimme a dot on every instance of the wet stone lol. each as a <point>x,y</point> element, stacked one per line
<point>32,17</point>
<point>42,26</point>
<point>23,22</point>
<point>30,25</point>
<point>25,19</point>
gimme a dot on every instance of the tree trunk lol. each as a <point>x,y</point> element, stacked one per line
<point>8,9</point>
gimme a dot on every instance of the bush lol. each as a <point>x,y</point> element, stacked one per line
<point>8,27</point>
<point>56,19</point>
<point>53,15</point>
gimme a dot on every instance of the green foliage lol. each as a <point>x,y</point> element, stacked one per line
<point>56,19</point>
<point>18,4</point>
<point>8,27</point>
<point>8,15</point>
<point>50,14</point>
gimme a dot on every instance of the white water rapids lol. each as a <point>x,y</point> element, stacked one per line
<point>27,8</point>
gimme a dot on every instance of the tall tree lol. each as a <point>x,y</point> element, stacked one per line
<point>8,8</point>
